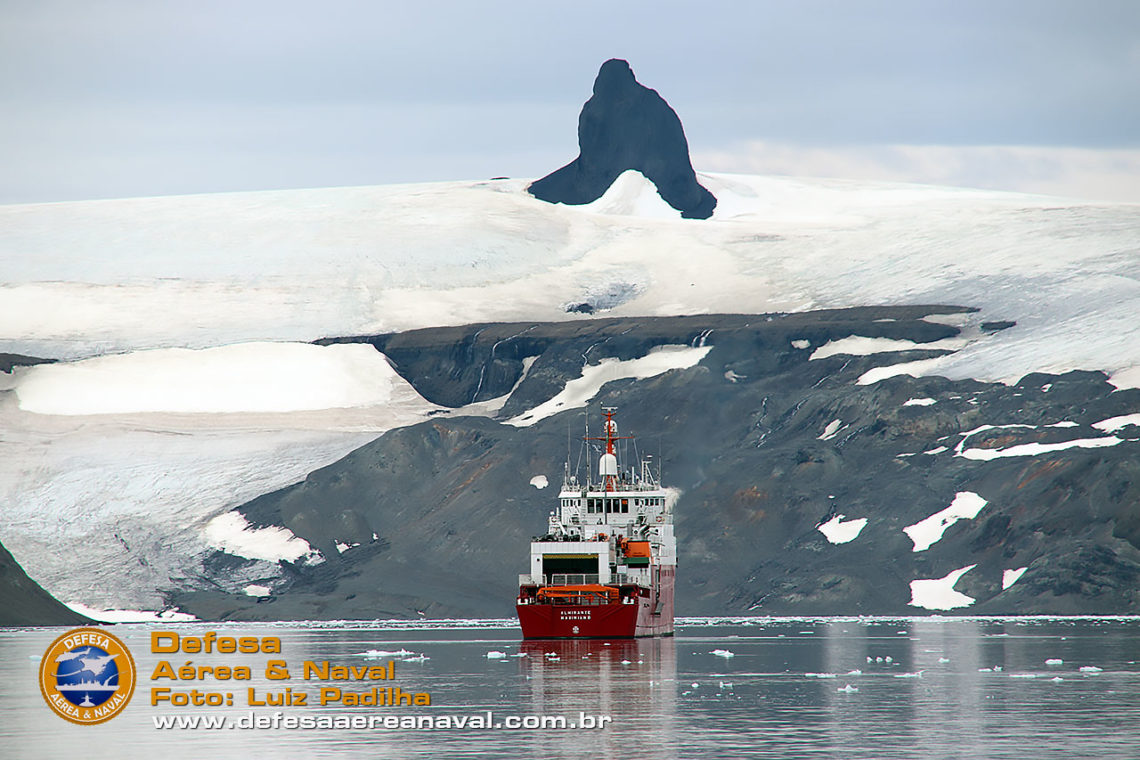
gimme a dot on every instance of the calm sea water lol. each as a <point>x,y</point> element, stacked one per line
<point>722,688</point>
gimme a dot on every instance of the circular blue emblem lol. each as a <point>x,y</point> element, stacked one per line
<point>87,676</point>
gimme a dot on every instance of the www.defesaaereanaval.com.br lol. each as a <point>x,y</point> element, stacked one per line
<point>483,721</point>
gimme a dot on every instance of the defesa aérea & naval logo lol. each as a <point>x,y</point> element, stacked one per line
<point>87,676</point>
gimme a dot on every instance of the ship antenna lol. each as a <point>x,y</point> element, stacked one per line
<point>566,477</point>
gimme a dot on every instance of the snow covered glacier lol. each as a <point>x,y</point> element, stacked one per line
<point>86,278</point>
<point>184,388</point>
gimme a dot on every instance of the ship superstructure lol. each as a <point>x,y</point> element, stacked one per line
<point>606,566</point>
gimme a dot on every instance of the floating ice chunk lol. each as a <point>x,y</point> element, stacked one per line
<point>939,593</point>
<point>888,658</point>
<point>926,533</point>
<point>1054,661</point>
<point>495,654</point>
<point>1022,675</point>
<point>1010,577</point>
<point>255,590</point>
<point>848,689</point>
<point>342,547</point>
<point>801,344</point>
<point>821,675</point>
<point>404,655</point>
<point>722,653</point>
<point>855,672</point>
<point>1057,679</point>
<point>1112,424</point>
<point>1091,669</point>
<point>539,482</point>
<point>838,532</point>
<point>1063,424</point>
<point>724,684</point>
<point>916,674</point>
<point>231,533</point>
<point>695,684</point>
<point>920,402</point>
<point>830,431</point>
<point>943,659</point>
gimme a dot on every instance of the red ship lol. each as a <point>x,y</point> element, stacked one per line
<point>607,564</point>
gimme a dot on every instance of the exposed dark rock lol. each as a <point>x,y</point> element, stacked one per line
<point>742,434</point>
<point>624,126</point>
<point>8,361</point>
<point>23,602</point>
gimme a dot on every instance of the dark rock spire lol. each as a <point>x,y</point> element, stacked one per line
<point>626,125</point>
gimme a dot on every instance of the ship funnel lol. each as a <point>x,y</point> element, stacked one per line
<point>608,465</point>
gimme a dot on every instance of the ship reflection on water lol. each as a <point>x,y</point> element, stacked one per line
<point>631,681</point>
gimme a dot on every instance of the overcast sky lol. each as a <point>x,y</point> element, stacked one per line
<point>113,98</point>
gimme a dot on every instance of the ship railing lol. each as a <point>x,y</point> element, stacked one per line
<point>582,579</point>
<point>572,579</point>
<point>626,579</point>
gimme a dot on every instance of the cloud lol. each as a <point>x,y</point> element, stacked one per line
<point>1090,173</point>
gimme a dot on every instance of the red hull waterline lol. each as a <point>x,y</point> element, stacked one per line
<point>650,616</point>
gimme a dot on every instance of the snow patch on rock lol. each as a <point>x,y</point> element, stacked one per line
<point>838,532</point>
<point>926,533</point>
<point>939,593</point>
<point>231,533</point>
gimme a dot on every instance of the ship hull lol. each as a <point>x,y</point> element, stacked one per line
<point>651,615</point>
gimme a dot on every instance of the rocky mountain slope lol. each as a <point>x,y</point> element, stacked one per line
<point>23,602</point>
<point>625,126</point>
<point>779,433</point>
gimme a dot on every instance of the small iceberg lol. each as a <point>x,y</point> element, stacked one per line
<point>722,653</point>
<point>494,654</point>
<point>848,689</point>
<point>1054,661</point>
<point>398,653</point>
